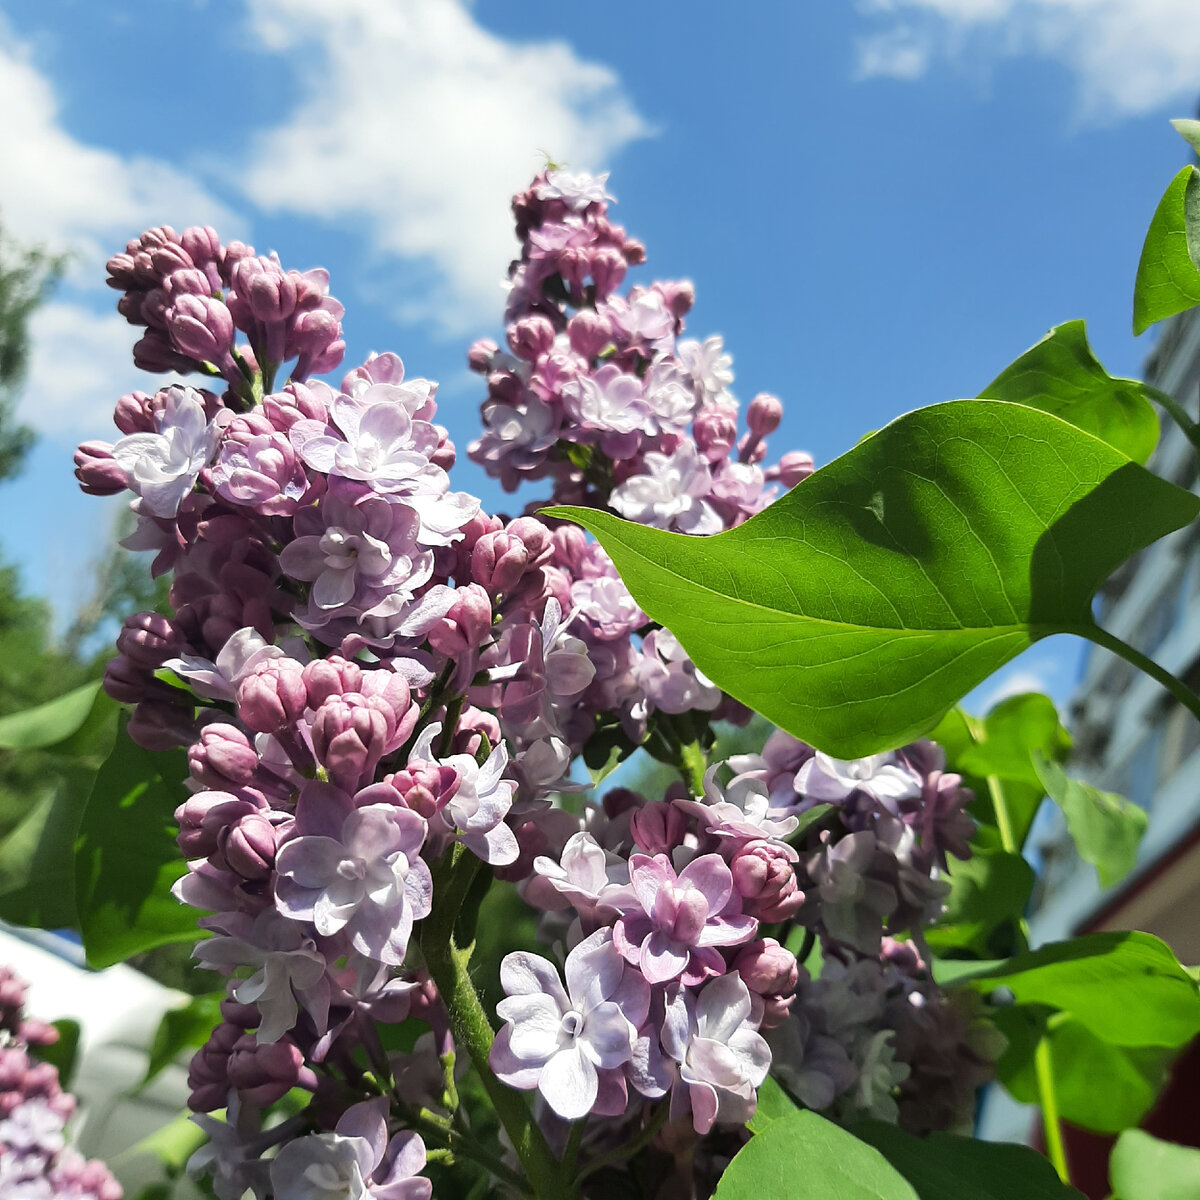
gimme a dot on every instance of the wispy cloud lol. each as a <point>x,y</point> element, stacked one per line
<point>418,124</point>
<point>1128,57</point>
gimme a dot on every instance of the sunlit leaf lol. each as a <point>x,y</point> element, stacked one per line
<point>1168,281</point>
<point>1144,1168</point>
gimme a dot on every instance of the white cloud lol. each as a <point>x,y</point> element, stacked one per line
<point>1128,57</point>
<point>72,196</point>
<point>79,366</point>
<point>419,123</point>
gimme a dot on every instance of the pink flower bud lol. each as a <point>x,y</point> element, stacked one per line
<point>767,968</point>
<point>537,538</point>
<point>135,413</point>
<point>764,414</point>
<point>426,788</point>
<point>766,880</point>
<point>608,268</point>
<point>679,295</point>
<point>249,846</point>
<point>350,734</point>
<point>658,827</point>
<point>589,333</point>
<point>498,562</point>
<point>149,639</point>
<point>715,430</point>
<point>466,626</point>
<point>273,696</point>
<point>223,757</point>
<point>97,471</point>
<point>794,466</point>
<point>202,328</point>
<point>330,676</point>
<point>531,337</point>
<point>263,1073</point>
<point>480,355</point>
<point>204,816</point>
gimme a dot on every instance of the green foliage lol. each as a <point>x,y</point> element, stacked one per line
<point>856,609</point>
<point>1061,375</point>
<point>62,1054</point>
<point>182,1029</point>
<point>833,1164</point>
<point>51,723</point>
<point>988,895</point>
<point>1105,827</point>
<point>774,1104</point>
<point>126,858</point>
<point>1125,988</point>
<point>1168,281</point>
<point>944,1167</point>
<point>1144,1168</point>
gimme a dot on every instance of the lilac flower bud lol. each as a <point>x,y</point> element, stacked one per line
<point>249,846</point>
<point>223,757</point>
<point>425,787</point>
<point>204,816</point>
<point>202,328</point>
<point>126,681</point>
<point>99,474</point>
<point>203,247</point>
<point>480,355</point>
<point>766,881</point>
<point>186,282</point>
<point>770,971</point>
<point>149,639</point>
<point>208,1073</point>
<point>161,725</point>
<point>589,333</point>
<point>679,296</point>
<point>315,342</point>
<point>658,827</point>
<point>498,562</point>
<point>794,466</point>
<point>608,268</point>
<point>244,1016</point>
<point>764,414</point>
<point>120,270</point>
<point>273,696</point>
<point>537,538</point>
<point>531,337</point>
<point>473,726</point>
<point>153,352</point>
<point>350,735</point>
<point>467,625</point>
<point>330,676</point>
<point>715,430</point>
<point>135,413</point>
<point>265,1072</point>
<point>271,294</point>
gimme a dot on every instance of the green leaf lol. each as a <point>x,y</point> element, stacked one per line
<point>1013,731</point>
<point>126,858</point>
<point>1144,1168</point>
<point>1061,375</point>
<point>1168,281</point>
<point>607,748</point>
<point>1099,1086</point>
<point>1105,827</point>
<point>988,895</point>
<point>1126,988</point>
<point>774,1104</point>
<point>805,1150</point>
<point>49,723</point>
<point>183,1029</point>
<point>857,608</point>
<point>172,1144</point>
<point>945,1167</point>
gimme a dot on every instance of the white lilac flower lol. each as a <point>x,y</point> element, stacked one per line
<point>242,652</point>
<point>671,494</point>
<point>609,401</point>
<point>883,776</point>
<point>670,399</point>
<point>667,678</point>
<point>587,876</point>
<point>708,366</point>
<point>722,1058</point>
<point>355,1162</point>
<point>559,1039</point>
<point>575,189</point>
<point>163,467</point>
<point>33,1126</point>
<point>370,881</point>
<point>741,810</point>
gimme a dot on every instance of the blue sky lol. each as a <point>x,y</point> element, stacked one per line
<point>880,204</point>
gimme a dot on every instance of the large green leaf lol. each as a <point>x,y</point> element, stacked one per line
<point>53,722</point>
<point>944,1167</point>
<point>1098,1086</point>
<point>126,858</point>
<point>1060,374</point>
<point>1144,1168</point>
<point>988,894</point>
<point>856,609</point>
<point>774,1104</point>
<point>1125,988</point>
<point>805,1155</point>
<point>1168,281</point>
<point>1105,827</point>
<point>1189,130</point>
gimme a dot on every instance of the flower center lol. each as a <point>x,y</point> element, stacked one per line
<point>572,1023</point>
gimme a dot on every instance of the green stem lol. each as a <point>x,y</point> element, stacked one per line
<point>448,965</point>
<point>1043,1059</point>
<point>1176,687</point>
<point>692,764</point>
<point>460,1147</point>
<point>1178,414</point>
<point>1056,1150</point>
<point>571,1153</point>
<point>625,1151</point>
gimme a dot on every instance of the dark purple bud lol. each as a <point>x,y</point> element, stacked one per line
<point>245,1016</point>
<point>161,725</point>
<point>126,681</point>
<point>264,1072</point>
<point>223,757</point>
<point>658,827</point>
<point>249,846</point>
<point>149,639</point>
<point>153,352</point>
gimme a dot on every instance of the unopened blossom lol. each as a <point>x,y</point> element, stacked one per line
<point>722,1058</point>
<point>558,1039</point>
<point>162,467</point>
<point>367,879</point>
<point>681,919</point>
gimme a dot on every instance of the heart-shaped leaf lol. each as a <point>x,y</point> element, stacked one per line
<point>856,609</point>
<point>1061,375</point>
<point>1168,281</point>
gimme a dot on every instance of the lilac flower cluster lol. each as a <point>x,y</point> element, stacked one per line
<point>380,685</point>
<point>36,1162</point>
